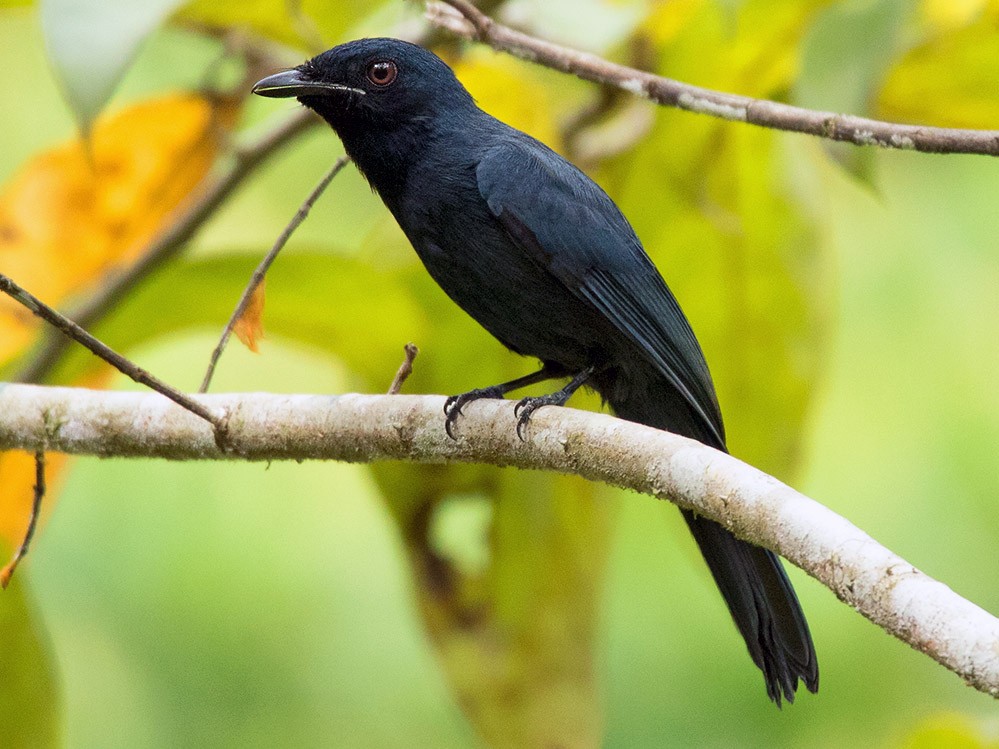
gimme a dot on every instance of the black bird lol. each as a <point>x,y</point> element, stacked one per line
<point>544,260</point>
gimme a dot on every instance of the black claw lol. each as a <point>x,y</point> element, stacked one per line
<point>449,420</point>
<point>526,407</point>
<point>521,424</point>
<point>455,403</point>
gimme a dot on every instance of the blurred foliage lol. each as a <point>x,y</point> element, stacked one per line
<point>948,77</point>
<point>29,698</point>
<point>81,210</point>
<point>850,326</point>
<point>951,731</point>
<point>91,43</point>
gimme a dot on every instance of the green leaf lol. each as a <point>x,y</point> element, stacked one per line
<point>844,58</point>
<point>29,697</point>
<point>92,42</point>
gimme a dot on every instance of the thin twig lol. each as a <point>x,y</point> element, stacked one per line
<point>171,241</point>
<point>36,506</point>
<point>465,20</point>
<point>405,369</point>
<point>258,275</point>
<point>74,332</point>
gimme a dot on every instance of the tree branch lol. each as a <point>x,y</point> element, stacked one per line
<point>363,428</point>
<point>463,19</point>
<point>74,332</point>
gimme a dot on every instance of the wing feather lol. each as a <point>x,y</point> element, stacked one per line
<point>572,229</point>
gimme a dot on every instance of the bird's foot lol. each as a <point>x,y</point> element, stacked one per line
<point>454,404</point>
<point>526,407</point>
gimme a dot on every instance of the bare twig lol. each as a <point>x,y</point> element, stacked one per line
<point>74,332</point>
<point>36,505</point>
<point>258,275</point>
<point>361,428</point>
<point>171,241</point>
<point>405,369</point>
<point>464,19</point>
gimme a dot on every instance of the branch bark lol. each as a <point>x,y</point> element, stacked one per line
<point>463,19</point>
<point>363,428</point>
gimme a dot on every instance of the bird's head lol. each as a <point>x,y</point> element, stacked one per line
<point>371,82</point>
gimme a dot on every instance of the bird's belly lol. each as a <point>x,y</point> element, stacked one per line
<point>521,304</point>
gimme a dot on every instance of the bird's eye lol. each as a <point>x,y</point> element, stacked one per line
<point>382,72</point>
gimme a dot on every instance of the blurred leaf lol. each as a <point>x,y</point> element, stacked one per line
<point>516,633</point>
<point>69,217</point>
<point>17,480</point>
<point>92,42</point>
<point>491,78</point>
<point>950,731</point>
<point>846,54</point>
<point>29,694</point>
<point>250,325</point>
<point>270,18</point>
<point>948,80</point>
<point>951,14</point>
<point>593,26</point>
<point>668,19</point>
<point>309,24</point>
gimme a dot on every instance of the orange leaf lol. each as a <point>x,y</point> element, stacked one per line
<point>17,477</point>
<point>249,328</point>
<point>78,211</point>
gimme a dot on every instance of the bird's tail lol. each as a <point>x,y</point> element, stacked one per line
<point>763,605</point>
<point>751,579</point>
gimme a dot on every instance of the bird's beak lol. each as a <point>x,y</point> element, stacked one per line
<point>292,83</point>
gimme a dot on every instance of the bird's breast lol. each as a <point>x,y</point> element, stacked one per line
<point>487,274</point>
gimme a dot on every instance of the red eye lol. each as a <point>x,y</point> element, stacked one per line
<point>382,72</point>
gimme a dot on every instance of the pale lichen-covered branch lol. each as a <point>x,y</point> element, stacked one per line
<point>363,428</point>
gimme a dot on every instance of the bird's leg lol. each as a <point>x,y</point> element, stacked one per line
<point>528,406</point>
<point>454,404</point>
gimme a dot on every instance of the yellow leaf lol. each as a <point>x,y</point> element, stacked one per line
<point>78,211</point>
<point>950,14</point>
<point>951,731</point>
<point>669,18</point>
<point>249,328</point>
<point>508,89</point>
<point>948,80</point>
<point>17,477</point>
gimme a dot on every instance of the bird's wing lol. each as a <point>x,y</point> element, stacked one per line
<point>572,229</point>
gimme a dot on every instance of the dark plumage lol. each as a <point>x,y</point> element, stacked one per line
<point>542,258</point>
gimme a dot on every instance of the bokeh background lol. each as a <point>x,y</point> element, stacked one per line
<point>847,299</point>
